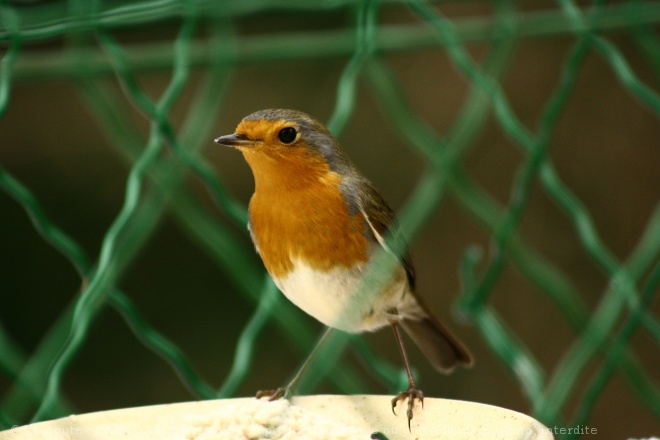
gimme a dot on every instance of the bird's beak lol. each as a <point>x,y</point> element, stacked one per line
<point>234,140</point>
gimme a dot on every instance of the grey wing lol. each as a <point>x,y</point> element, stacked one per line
<point>440,346</point>
<point>380,219</point>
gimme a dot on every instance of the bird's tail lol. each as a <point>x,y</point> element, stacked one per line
<point>443,350</point>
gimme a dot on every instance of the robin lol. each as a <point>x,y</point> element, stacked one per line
<point>317,222</point>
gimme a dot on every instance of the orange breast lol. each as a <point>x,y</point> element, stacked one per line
<point>298,212</point>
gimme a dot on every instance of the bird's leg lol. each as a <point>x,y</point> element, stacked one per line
<point>286,391</point>
<point>413,392</point>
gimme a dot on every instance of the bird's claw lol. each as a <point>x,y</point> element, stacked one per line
<point>412,394</point>
<point>276,394</point>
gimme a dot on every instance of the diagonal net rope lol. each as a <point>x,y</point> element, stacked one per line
<point>162,162</point>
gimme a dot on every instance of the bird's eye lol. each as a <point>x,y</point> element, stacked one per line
<point>287,135</point>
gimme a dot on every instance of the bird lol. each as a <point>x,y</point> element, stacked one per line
<point>317,223</point>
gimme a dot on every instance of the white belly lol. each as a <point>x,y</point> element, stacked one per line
<point>332,297</point>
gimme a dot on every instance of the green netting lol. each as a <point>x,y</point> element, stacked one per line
<point>80,46</point>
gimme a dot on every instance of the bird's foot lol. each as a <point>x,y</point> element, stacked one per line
<point>412,394</point>
<point>282,392</point>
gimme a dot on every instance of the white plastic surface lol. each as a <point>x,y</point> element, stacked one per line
<point>307,417</point>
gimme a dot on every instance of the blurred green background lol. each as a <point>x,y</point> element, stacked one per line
<point>603,146</point>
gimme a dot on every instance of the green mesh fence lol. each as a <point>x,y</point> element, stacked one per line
<point>80,43</point>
